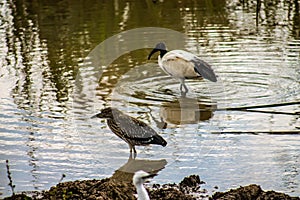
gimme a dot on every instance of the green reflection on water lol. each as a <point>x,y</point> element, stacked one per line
<point>62,33</point>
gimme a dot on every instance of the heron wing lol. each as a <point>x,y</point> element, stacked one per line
<point>200,66</point>
<point>133,128</point>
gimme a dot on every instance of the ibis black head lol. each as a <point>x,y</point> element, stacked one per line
<point>161,47</point>
<point>106,113</point>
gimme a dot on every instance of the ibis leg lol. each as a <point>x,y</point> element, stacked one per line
<point>134,149</point>
<point>182,85</point>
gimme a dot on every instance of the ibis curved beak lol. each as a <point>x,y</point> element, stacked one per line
<point>152,52</point>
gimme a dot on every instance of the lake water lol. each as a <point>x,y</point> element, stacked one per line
<point>62,62</point>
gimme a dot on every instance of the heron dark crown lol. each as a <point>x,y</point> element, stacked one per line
<point>107,113</point>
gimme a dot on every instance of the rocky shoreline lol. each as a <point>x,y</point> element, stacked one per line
<point>109,188</point>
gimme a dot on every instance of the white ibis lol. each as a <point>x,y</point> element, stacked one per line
<point>139,178</point>
<point>182,65</point>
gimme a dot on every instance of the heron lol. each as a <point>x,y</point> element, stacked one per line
<point>132,131</point>
<point>182,65</point>
<point>139,178</point>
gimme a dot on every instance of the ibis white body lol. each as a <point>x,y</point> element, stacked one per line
<point>183,65</point>
<point>177,63</point>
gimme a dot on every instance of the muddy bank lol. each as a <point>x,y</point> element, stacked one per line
<point>189,188</point>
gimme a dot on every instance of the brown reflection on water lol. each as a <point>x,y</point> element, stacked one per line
<point>271,15</point>
<point>111,74</point>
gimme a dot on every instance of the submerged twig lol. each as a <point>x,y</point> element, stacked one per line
<point>258,5</point>
<point>62,177</point>
<point>12,186</point>
<point>257,132</point>
<point>270,112</point>
<point>250,108</point>
<point>266,105</point>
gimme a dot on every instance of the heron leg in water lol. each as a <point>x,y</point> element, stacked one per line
<point>132,157</point>
<point>134,151</point>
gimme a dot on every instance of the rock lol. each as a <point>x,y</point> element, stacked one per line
<point>190,181</point>
<point>247,192</point>
<point>170,193</point>
<point>272,195</point>
<point>109,189</point>
<point>251,192</point>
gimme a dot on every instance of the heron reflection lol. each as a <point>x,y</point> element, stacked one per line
<point>126,172</point>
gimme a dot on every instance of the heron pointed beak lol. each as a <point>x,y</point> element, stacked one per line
<point>94,116</point>
<point>152,52</point>
<point>99,115</point>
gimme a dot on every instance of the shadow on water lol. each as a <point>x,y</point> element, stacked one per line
<point>126,172</point>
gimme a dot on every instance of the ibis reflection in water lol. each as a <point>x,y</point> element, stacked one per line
<point>182,65</point>
<point>132,131</point>
<point>184,110</point>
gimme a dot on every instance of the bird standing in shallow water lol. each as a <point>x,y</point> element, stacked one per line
<point>129,129</point>
<point>182,65</point>
<point>139,178</point>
